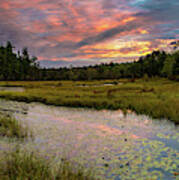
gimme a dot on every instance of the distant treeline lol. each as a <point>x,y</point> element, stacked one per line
<point>20,66</point>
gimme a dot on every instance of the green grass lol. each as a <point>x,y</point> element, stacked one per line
<point>158,98</point>
<point>21,165</point>
<point>10,127</point>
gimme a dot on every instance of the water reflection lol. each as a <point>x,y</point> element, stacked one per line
<point>117,146</point>
<point>16,89</point>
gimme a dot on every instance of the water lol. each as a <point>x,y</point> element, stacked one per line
<point>113,145</point>
<point>98,85</point>
<point>13,89</point>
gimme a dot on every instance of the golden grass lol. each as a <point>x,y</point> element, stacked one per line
<point>158,98</point>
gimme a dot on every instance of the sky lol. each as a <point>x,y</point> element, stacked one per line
<point>84,32</point>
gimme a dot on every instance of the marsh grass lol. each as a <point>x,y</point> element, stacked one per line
<point>10,127</point>
<point>21,165</point>
<point>156,97</point>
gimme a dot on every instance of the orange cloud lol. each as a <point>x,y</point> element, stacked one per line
<point>5,5</point>
<point>87,29</point>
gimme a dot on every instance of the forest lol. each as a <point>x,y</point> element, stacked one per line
<point>21,66</point>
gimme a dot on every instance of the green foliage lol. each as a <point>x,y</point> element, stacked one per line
<point>158,63</point>
<point>16,66</point>
<point>168,67</point>
<point>10,127</point>
<point>21,66</point>
<point>24,165</point>
<point>156,97</point>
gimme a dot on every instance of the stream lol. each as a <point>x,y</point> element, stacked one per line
<point>114,145</point>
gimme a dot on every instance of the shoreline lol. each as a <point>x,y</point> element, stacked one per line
<point>156,98</point>
<point>124,111</point>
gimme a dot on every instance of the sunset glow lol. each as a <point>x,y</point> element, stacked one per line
<point>91,31</point>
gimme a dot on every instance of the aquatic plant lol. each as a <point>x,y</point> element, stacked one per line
<point>11,127</point>
<point>25,165</point>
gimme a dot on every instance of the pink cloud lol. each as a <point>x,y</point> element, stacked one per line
<point>87,29</point>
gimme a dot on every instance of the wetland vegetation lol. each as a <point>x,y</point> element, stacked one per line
<point>25,165</point>
<point>156,97</point>
<point>130,145</point>
<point>11,127</point>
<point>146,91</point>
<point>115,145</point>
<point>21,164</point>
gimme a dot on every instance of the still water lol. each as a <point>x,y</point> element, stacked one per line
<point>16,89</point>
<point>114,145</point>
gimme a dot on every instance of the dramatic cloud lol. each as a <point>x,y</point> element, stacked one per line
<point>90,31</point>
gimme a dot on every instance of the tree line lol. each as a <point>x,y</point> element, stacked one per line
<point>21,66</point>
<point>17,66</point>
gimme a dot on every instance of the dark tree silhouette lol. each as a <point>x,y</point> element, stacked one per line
<point>22,66</point>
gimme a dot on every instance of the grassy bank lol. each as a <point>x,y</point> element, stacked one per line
<point>20,164</point>
<point>158,98</point>
<point>10,127</point>
<point>24,165</point>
